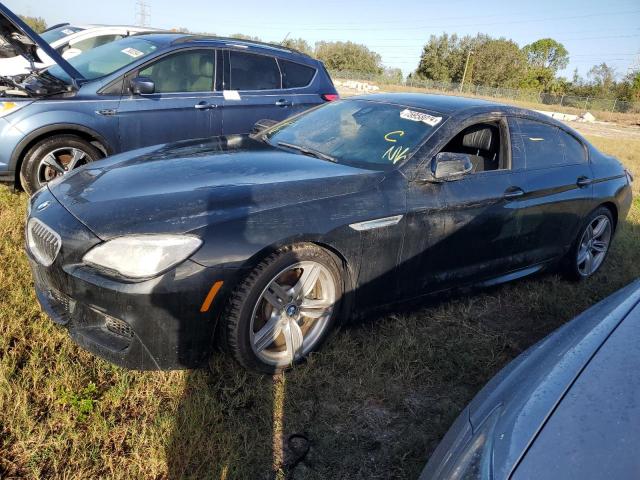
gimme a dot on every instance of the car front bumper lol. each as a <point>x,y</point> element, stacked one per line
<point>160,323</point>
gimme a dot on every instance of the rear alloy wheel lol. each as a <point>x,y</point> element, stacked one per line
<point>285,308</point>
<point>54,157</point>
<point>593,244</point>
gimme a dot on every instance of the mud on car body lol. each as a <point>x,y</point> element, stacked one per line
<point>263,242</point>
<point>141,90</point>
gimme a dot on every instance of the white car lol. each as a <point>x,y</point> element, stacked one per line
<point>69,41</point>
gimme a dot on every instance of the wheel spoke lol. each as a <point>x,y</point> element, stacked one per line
<point>588,263</point>
<point>51,161</point>
<point>306,282</point>
<point>267,334</point>
<point>315,308</point>
<point>276,296</point>
<point>582,255</point>
<point>599,246</point>
<point>293,338</point>
<point>77,156</point>
<point>600,227</point>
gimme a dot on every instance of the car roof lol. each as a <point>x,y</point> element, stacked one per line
<point>188,39</point>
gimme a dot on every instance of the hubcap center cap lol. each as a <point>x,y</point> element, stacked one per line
<point>291,310</point>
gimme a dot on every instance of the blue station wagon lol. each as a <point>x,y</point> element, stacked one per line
<point>142,90</point>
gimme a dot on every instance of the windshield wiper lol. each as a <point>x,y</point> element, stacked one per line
<point>309,151</point>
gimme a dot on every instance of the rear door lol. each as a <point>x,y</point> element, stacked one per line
<point>183,106</point>
<point>299,84</point>
<point>252,91</point>
<point>558,189</point>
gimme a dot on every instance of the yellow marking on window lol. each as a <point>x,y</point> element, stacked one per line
<point>215,288</point>
<point>400,133</point>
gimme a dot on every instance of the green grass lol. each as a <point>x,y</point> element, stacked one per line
<point>373,403</point>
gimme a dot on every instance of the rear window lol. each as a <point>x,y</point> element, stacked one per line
<point>295,75</point>
<point>253,72</point>
<point>541,144</point>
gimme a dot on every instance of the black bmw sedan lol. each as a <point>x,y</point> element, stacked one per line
<point>263,242</point>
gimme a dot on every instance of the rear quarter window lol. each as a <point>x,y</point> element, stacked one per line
<point>541,143</point>
<point>295,75</point>
<point>574,150</point>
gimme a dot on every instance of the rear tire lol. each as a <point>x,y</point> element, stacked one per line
<point>591,247</point>
<point>53,157</point>
<point>284,309</point>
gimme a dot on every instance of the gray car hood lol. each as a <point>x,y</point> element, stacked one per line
<point>533,385</point>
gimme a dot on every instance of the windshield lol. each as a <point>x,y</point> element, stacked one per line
<point>106,59</point>
<point>57,33</point>
<point>360,133</point>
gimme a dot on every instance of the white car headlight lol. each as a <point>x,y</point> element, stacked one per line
<point>141,256</point>
<point>9,107</point>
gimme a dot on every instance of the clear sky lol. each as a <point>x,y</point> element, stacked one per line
<point>592,31</point>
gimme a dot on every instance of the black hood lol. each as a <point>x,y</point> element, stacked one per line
<point>19,36</point>
<point>180,187</point>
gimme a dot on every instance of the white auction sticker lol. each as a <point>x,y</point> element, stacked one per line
<point>132,52</point>
<point>420,117</point>
<point>68,31</point>
<point>231,95</point>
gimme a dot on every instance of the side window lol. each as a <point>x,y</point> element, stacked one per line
<point>190,71</point>
<point>94,42</point>
<point>253,72</point>
<point>541,144</point>
<point>295,75</point>
<point>482,143</point>
<point>574,151</point>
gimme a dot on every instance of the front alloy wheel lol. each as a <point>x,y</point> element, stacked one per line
<point>284,309</point>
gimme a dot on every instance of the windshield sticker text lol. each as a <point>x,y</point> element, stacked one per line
<point>132,52</point>
<point>67,31</point>
<point>420,117</point>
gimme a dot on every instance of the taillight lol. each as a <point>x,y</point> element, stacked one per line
<point>330,97</point>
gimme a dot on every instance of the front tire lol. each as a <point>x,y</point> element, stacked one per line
<point>284,309</point>
<point>591,246</point>
<point>53,157</point>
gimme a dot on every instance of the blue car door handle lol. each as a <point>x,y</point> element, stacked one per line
<point>204,106</point>
<point>513,192</point>
<point>283,103</point>
<point>583,181</point>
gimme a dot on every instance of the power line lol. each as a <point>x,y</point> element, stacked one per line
<point>142,13</point>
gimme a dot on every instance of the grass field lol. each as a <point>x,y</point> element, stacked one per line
<point>373,404</point>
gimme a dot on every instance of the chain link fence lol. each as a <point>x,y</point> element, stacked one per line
<point>532,96</point>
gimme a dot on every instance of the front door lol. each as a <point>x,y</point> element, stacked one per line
<point>183,106</point>
<point>465,230</point>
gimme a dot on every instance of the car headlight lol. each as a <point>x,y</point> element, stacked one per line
<point>142,256</point>
<point>473,460</point>
<point>9,107</point>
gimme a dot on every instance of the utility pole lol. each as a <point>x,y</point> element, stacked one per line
<point>142,13</point>
<point>466,65</point>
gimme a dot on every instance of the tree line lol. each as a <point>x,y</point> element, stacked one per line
<point>480,59</point>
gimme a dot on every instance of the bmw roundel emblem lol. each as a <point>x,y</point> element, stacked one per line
<point>43,205</point>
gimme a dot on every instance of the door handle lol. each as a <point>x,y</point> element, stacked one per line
<point>583,181</point>
<point>513,192</point>
<point>204,106</point>
<point>283,103</point>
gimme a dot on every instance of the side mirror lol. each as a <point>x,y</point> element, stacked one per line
<point>142,86</point>
<point>450,166</point>
<point>263,124</point>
